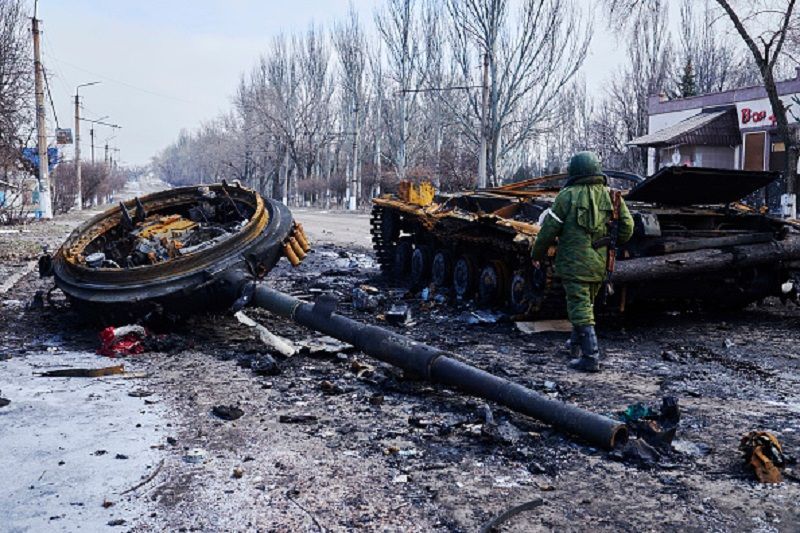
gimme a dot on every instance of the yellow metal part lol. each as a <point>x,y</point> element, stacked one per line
<point>170,227</point>
<point>300,235</point>
<point>290,255</point>
<point>296,245</point>
<point>421,195</point>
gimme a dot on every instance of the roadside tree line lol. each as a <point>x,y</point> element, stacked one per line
<point>345,112</point>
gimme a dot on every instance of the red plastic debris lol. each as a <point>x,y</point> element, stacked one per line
<point>122,341</point>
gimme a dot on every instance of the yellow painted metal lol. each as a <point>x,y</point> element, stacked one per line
<point>171,227</point>
<point>421,195</point>
<point>290,255</point>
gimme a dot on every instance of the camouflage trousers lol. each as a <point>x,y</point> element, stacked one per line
<point>580,301</point>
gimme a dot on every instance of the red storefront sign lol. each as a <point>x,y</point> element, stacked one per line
<point>748,115</point>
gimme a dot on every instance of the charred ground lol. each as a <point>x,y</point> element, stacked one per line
<point>379,450</point>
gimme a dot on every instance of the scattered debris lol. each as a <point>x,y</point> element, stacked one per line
<point>503,432</point>
<point>262,365</point>
<point>146,480</point>
<point>481,316</point>
<point>637,452</point>
<point>238,473</point>
<point>324,346</point>
<point>655,425</point>
<point>227,412</point>
<point>279,344</point>
<point>121,341</point>
<point>763,452</point>
<point>493,524</point>
<point>195,456</point>
<point>362,370</point>
<point>366,298</point>
<point>117,522</point>
<point>696,449</point>
<point>330,388</point>
<point>140,393</point>
<point>398,314</point>
<point>304,418</point>
<point>4,401</point>
<point>83,372</point>
<point>543,326</point>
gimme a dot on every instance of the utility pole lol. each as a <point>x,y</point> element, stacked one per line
<point>79,184</point>
<point>91,139</point>
<point>45,207</point>
<point>484,110</point>
<point>79,194</point>
<point>354,189</point>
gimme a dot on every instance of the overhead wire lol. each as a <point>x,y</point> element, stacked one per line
<point>126,84</point>
<point>50,97</point>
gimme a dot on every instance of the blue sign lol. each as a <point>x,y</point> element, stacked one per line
<point>32,155</point>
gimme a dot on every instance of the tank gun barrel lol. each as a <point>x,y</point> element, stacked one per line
<point>440,367</point>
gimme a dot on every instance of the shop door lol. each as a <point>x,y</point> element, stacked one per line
<point>754,144</point>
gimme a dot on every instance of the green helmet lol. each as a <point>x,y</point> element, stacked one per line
<point>584,164</point>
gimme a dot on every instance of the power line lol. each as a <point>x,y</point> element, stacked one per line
<point>50,96</point>
<point>154,93</point>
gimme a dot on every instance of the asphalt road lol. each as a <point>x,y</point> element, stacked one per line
<point>335,227</point>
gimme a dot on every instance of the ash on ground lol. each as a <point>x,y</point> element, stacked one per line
<point>330,439</point>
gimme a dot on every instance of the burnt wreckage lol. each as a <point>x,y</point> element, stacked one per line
<point>694,243</point>
<point>206,248</point>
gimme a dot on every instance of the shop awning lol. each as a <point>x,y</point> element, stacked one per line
<point>715,128</point>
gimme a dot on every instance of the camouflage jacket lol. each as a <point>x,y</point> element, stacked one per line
<point>579,216</point>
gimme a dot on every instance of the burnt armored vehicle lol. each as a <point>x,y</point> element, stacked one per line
<point>694,243</point>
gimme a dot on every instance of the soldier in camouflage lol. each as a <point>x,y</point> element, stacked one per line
<point>579,220</point>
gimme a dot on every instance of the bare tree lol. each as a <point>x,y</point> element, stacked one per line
<point>532,56</point>
<point>350,46</point>
<point>648,72</point>
<point>16,91</point>
<point>398,27</point>
<point>705,48</point>
<point>769,25</point>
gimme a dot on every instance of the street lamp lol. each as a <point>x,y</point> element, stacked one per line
<point>78,141</point>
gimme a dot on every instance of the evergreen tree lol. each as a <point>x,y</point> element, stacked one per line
<point>687,86</point>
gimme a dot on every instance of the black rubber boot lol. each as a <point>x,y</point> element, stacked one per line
<point>572,347</point>
<point>589,361</point>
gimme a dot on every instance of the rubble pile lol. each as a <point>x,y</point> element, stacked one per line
<point>147,239</point>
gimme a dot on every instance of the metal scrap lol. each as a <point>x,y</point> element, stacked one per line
<point>279,344</point>
<point>764,454</point>
<point>83,372</point>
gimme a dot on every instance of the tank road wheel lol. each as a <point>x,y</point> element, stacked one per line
<point>465,276</point>
<point>521,293</point>
<point>492,283</point>
<point>421,265</point>
<point>442,268</point>
<point>402,258</point>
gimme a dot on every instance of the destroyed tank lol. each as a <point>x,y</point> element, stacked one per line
<point>694,245</point>
<point>169,252</point>
<point>208,248</point>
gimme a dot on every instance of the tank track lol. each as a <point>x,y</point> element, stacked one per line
<point>384,249</point>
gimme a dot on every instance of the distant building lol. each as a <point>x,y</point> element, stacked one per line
<point>731,129</point>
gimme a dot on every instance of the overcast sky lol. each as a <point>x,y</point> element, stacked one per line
<point>168,65</point>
